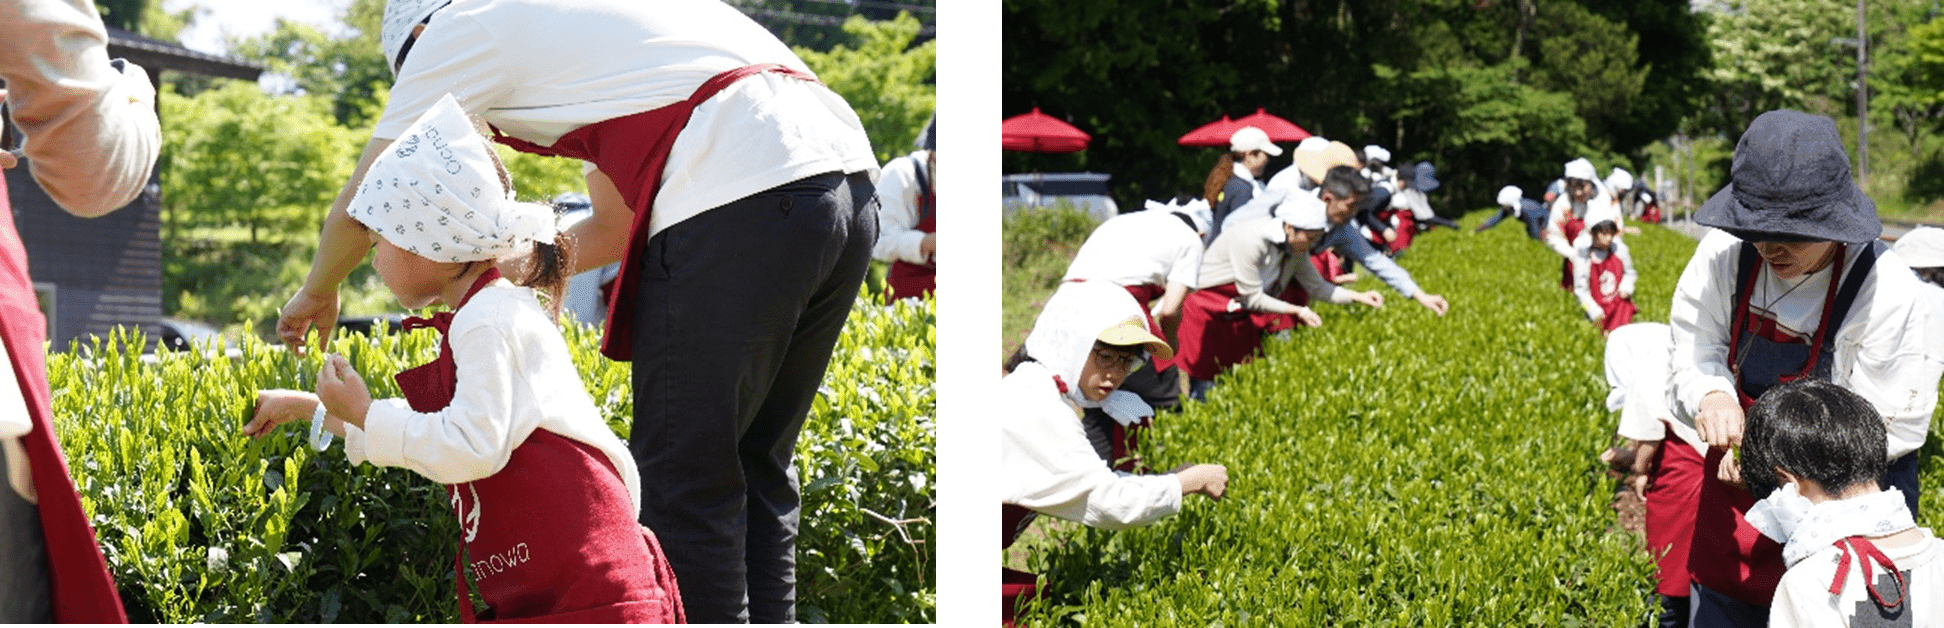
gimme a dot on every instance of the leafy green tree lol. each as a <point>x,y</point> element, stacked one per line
<point>350,69</point>
<point>1775,54</point>
<point>237,157</point>
<point>885,79</point>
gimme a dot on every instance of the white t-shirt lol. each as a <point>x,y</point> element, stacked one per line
<point>1887,351</point>
<point>515,376</point>
<point>538,69</point>
<point>899,206</point>
<point>1803,597</point>
<point>1145,247</point>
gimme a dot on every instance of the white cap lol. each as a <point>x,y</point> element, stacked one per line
<point>1304,212</point>
<point>400,17</point>
<point>1249,138</point>
<point>1376,152</point>
<point>1509,196</point>
<point>1619,181</point>
<point>1313,142</point>
<point>1581,169</point>
<point>436,193</point>
<point>1923,247</point>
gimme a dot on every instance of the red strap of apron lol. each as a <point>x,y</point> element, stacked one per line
<point>1866,553</point>
<point>442,321</point>
<point>1742,314</point>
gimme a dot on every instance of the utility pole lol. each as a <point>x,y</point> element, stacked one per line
<point>1862,98</point>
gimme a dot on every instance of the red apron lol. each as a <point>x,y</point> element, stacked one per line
<point>1571,228</point>
<point>1215,336</point>
<point>78,579</point>
<point>634,160</point>
<point>916,280</point>
<point>1673,486</point>
<point>1015,586</point>
<point>1328,264</point>
<point>552,536</point>
<point>1400,220</point>
<point>1604,283</point>
<point>1729,555</point>
<point>1652,213</point>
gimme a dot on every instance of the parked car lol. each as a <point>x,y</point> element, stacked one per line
<point>1086,191</point>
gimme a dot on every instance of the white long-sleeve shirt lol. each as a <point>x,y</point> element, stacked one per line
<point>1887,351</point>
<point>625,57</point>
<point>1598,208</point>
<point>1140,248</point>
<point>515,376</point>
<point>92,135</point>
<point>900,201</point>
<point>1047,464</point>
<point>1584,257</point>
<point>1254,255</point>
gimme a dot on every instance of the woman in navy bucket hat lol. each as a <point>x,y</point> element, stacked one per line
<point>1793,285</point>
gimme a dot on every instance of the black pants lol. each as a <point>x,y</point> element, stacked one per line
<point>739,310</point>
<point>23,555</point>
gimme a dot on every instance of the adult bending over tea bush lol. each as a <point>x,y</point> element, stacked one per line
<point>1794,286</point>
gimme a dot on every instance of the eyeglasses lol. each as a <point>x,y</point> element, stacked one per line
<point>1116,361</point>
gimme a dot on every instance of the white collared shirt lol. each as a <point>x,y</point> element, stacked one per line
<point>1048,465</point>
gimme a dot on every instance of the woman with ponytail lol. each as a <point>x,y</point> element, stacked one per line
<point>546,495</point>
<point>1237,175</point>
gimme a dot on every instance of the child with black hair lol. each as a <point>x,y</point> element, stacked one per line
<point>1603,277</point>
<point>546,494</point>
<point>1814,452</point>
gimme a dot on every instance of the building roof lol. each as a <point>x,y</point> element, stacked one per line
<point>158,55</point>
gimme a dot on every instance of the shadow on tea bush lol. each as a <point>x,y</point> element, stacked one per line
<point>201,524</point>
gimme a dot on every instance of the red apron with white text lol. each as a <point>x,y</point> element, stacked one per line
<point>1217,333</point>
<point>78,578</point>
<point>1729,555</point>
<point>1604,284</point>
<point>552,536</point>
<point>916,280</point>
<point>1571,228</point>
<point>632,151</point>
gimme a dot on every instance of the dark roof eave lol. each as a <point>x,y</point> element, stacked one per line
<point>161,55</point>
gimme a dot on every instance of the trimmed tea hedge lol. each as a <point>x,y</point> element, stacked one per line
<point>201,524</point>
<point>1394,468</point>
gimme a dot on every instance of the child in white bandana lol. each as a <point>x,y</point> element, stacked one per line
<point>546,494</point>
<point>1855,555</point>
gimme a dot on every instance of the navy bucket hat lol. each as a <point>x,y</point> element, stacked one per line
<point>1791,183</point>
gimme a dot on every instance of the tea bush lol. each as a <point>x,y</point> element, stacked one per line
<point>201,524</point>
<point>1395,468</point>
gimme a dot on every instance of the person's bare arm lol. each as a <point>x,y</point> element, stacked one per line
<point>341,244</point>
<point>602,238</point>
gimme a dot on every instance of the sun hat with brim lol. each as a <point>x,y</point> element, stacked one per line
<point>1790,182</point>
<point>1317,162</point>
<point>1134,332</point>
<point>1922,247</point>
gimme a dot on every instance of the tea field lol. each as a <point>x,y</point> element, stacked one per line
<point>201,524</point>
<point>1396,468</point>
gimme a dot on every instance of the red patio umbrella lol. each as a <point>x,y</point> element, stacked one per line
<point>1040,133</point>
<point>1279,130</point>
<point>1212,134</point>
